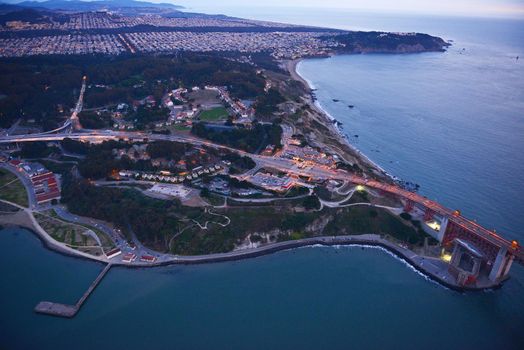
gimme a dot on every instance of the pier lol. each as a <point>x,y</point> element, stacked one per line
<point>64,310</point>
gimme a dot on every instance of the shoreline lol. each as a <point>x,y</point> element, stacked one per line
<point>340,143</point>
<point>337,132</point>
<point>410,259</point>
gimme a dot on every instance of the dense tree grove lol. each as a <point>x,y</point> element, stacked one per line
<point>387,42</point>
<point>148,218</point>
<point>100,162</point>
<point>239,164</point>
<point>34,150</point>
<point>267,103</point>
<point>35,91</point>
<point>73,146</point>
<point>93,120</point>
<point>45,88</point>
<point>250,140</point>
<point>167,149</point>
<point>311,202</point>
<point>145,116</point>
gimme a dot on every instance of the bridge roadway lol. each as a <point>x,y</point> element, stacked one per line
<point>289,166</point>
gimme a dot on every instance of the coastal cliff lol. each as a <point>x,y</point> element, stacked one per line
<point>384,42</point>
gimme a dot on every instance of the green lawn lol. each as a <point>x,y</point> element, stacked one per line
<point>107,243</point>
<point>218,113</point>
<point>6,177</point>
<point>11,189</point>
<point>73,234</point>
<point>214,199</point>
<point>182,128</point>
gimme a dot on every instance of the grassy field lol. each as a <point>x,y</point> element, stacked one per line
<point>218,113</point>
<point>6,177</point>
<point>178,127</point>
<point>11,189</point>
<point>214,199</point>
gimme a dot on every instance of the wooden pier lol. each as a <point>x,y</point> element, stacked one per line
<point>64,310</point>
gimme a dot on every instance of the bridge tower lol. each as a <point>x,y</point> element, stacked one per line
<point>497,259</point>
<point>408,207</point>
<point>428,214</point>
<point>502,264</point>
<point>443,227</point>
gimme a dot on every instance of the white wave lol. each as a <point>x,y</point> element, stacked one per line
<point>387,251</point>
<point>309,82</point>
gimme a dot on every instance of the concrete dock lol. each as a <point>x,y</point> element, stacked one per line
<point>63,310</point>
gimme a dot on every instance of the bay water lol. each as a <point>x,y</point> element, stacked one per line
<point>452,122</point>
<point>309,298</point>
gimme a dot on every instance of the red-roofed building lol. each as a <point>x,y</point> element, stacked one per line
<point>148,258</point>
<point>46,187</point>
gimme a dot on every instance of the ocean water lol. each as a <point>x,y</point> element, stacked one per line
<point>310,298</point>
<point>451,122</point>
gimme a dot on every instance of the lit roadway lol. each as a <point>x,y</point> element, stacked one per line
<point>73,119</point>
<point>289,166</point>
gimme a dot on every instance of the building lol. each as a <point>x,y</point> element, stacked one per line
<point>45,184</point>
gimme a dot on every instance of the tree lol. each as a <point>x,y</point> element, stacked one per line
<point>406,216</point>
<point>34,150</point>
<point>75,146</point>
<point>166,149</point>
<point>311,202</point>
<point>205,192</point>
<point>93,120</point>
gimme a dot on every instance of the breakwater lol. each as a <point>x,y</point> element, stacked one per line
<point>432,268</point>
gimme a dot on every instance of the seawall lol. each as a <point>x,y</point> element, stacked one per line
<point>405,255</point>
<point>370,240</point>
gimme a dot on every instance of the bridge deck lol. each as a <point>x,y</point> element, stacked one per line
<point>461,221</point>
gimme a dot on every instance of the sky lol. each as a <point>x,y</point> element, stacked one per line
<point>484,8</point>
<point>480,8</point>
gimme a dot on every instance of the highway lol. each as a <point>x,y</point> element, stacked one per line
<point>286,165</point>
<point>75,122</point>
<point>73,119</point>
